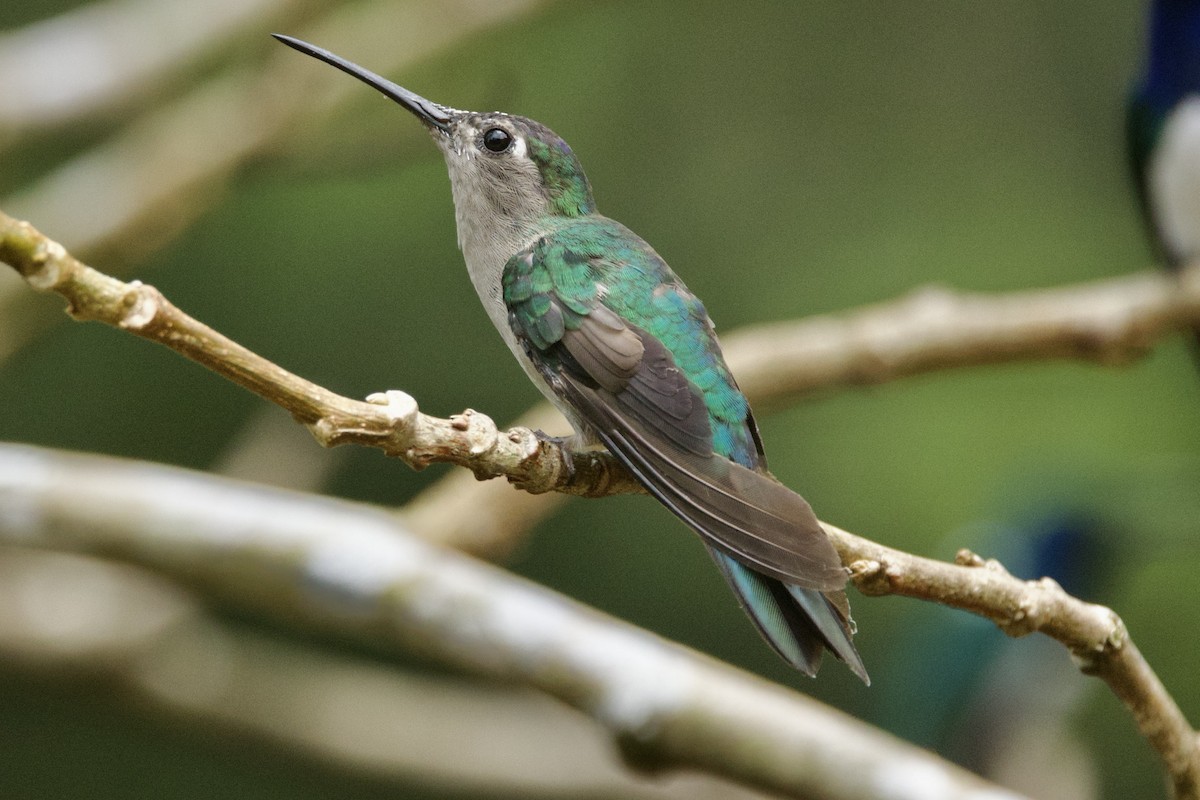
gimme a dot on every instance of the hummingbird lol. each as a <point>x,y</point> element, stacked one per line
<point>1163,134</point>
<point>616,341</point>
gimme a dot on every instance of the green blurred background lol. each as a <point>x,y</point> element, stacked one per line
<point>787,159</point>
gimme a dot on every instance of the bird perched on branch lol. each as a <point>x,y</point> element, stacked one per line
<point>614,339</point>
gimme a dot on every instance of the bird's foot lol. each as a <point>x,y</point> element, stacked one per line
<point>568,446</point>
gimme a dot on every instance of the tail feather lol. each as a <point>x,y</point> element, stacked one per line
<point>798,623</point>
<point>827,621</point>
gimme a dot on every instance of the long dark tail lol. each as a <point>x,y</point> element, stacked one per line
<point>798,623</point>
<point>765,538</point>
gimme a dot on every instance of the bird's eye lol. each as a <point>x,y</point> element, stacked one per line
<point>497,140</point>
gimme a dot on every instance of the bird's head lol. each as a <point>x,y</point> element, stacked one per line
<point>509,169</point>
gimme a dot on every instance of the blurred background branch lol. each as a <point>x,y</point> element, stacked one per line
<point>97,59</point>
<point>146,641</point>
<point>349,568</point>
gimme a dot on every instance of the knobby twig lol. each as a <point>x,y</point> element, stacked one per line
<point>354,569</point>
<point>1111,321</point>
<point>389,421</point>
<point>1133,312</point>
<point>1095,635</point>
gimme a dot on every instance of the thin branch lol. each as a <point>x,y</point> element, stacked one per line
<point>1109,322</point>
<point>1113,319</point>
<point>1095,635</point>
<point>389,421</point>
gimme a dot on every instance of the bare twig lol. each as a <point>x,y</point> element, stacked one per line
<point>389,421</point>
<point>1095,635</point>
<point>356,570</point>
<point>1111,322</point>
<point>1132,312</point>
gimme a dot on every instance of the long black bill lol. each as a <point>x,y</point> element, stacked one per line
<point>429,112</point>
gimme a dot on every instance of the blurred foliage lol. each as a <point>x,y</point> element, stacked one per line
<point>787,159</point>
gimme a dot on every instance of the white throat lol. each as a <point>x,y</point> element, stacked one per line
<point>489,237</point>
<point>1174,181</point>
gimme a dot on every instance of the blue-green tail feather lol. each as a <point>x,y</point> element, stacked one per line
<point>798,623</point>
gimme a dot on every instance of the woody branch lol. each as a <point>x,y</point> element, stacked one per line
<point>1109,322</point>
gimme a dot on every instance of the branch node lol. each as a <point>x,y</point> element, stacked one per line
<point>528,444</point>
<point>324,431</point>
<point>482,435</point>
<point>1092,660</point>
<point>418,460</point>
<point>1024,620</point>
<point>1048,584</point>
<point>591,472</point>
<point>871,577</point>
<point>400,407</point>
<point>46,258</point>
<point>966,558</point>
<point>1119,635</point>
<point>537,451</point>
<point>139,306</point>
<point>1035,608</point>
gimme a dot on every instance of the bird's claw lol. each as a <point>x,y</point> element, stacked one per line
<point>567,446</point>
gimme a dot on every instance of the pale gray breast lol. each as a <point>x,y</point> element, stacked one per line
<point>487,244</point>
